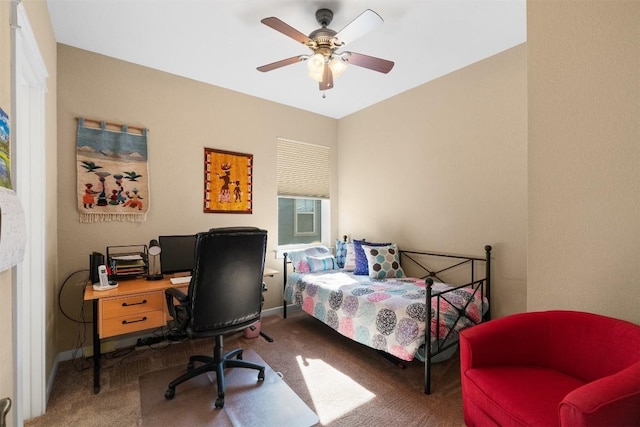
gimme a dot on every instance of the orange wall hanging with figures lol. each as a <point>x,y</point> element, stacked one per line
<point>227,181</point>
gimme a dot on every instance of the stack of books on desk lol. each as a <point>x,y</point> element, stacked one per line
<point>128,265</point>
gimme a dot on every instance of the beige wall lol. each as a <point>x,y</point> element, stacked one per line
<point>443,167</point>
<point>183,117</point>
<point>584,156</point>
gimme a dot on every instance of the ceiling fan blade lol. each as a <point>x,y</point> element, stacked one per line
<point>286,29</point>
<point>327,78</point>
<point>370,62</point>
<point>362,24</point>
<point>278,64</point>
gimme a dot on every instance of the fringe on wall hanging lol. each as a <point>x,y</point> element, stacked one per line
<point>113,174</point>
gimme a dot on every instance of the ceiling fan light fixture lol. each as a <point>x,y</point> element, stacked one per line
<point>338,66</point>
<point>316,63</point>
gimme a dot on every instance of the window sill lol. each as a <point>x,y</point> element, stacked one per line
<point>282,249</point>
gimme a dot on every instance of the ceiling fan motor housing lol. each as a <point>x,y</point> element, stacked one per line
<point>324,17</point>
<point>324,37</point>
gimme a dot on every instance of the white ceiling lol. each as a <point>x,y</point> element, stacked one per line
<point>221,42</point>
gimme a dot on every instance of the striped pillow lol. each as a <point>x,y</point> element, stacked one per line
<point>322,263</point>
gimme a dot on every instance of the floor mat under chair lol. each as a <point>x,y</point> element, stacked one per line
<point>248,402</point>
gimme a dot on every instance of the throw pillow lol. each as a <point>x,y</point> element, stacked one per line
<point>299,258</point>
<point>383,261</point>
<point>350,259</point>
<point>362,265</point>
<point>341,252</point>
<point>321,263</point>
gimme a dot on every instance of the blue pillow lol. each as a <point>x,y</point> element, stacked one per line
<point>362,265</point>
<point>341,252</point>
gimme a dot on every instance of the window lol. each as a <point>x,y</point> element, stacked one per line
<point>303,192</point>
<point>305,217</point>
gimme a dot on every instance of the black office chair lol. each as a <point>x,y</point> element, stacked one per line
<point>224,296</point>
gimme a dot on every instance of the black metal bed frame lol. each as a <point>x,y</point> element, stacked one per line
<point>481,288</point>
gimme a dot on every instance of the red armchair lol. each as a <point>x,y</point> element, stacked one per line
<point>551,368</point>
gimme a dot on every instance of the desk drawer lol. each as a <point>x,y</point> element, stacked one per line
<point>130,305</point>
<point>132,323</point>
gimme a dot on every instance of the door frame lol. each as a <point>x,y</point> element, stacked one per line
<point>29,89</point>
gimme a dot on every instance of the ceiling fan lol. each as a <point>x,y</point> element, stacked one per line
<point>325,62</point>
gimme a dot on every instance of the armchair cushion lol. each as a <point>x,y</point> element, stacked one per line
<point>530,398</point>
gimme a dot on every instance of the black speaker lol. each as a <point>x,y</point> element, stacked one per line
<point>95,259</point>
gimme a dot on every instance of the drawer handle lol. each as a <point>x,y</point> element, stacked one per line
<point>126,322</point>
<point>126,304</point>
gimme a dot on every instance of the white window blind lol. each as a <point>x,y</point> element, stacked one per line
<point>303,169</point>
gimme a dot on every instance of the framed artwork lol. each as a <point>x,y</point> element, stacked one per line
<point>228,185</point>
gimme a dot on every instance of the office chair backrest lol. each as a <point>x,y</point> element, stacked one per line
<point>225,292</point>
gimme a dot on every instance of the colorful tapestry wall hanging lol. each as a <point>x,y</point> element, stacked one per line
<point>227,181</point>
<point>113,176</point>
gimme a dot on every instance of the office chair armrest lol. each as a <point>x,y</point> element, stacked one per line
<point>177,294</point>
<point>178,313</point>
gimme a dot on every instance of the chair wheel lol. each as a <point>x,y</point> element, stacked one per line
<point>220,402</point>
<point>261,375</point>
<point>190,366</point>
<point>170,393</point>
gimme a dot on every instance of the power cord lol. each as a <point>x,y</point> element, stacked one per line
<point>78,359</point>
<point>80,278</point>
<point>84,276</point>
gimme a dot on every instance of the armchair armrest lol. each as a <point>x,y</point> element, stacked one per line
<point>612,400</point>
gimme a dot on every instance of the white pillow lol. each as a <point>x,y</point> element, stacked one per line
<point>350,258</point>
<point>299,258</point>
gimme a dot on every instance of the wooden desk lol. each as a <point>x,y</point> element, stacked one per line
<point>135,305</point>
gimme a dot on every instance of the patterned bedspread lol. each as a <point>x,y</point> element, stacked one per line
<point>386,314</point>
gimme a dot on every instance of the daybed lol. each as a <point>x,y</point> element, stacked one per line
<point>551,368</point>
<point>382,308</point>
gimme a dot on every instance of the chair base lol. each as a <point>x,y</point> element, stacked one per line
<point>218,363</point>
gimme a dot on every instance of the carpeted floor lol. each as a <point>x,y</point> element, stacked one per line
<point>344,383</point>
